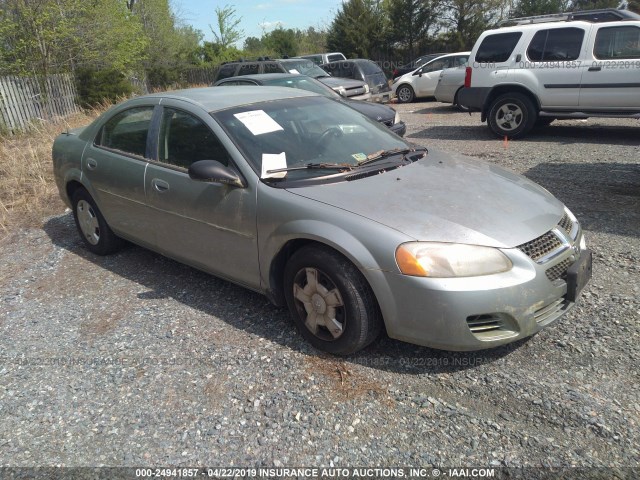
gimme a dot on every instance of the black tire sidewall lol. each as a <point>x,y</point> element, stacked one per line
<point>108,241</point>
<point>362,322</point>
<point>525,105</point>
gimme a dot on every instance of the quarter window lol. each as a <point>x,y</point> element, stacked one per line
<point>617,42</point>
<point>127,131</point>
<point>249,69</point>
<point>556,44</point>
<point>185,139</point>
<point>273,68</point>
<point>227,71</point>
<point>497,48</point>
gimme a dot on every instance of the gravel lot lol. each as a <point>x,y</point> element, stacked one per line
<point>136,360</point>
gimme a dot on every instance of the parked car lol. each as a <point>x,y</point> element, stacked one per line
<point>411,66</point>
<point>322,58</point>
<point>365,70</point>
<point>311,203</point>
<point>377,112</point>
<point>572,65</point>
<point>353,89</point>
<point>450,83</point>
<point>422,81</point>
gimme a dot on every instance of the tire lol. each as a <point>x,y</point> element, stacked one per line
<point>405,94</point>
<point>462,108</point>
<point>92,227</point>
<point>511,115</point>
<point>331,303</point>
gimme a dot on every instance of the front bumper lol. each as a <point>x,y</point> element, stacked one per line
<point>399,128</point>
<point>383,97</point>
<point>472,313</point>
<point>364,97</point>
<point>474,98</point>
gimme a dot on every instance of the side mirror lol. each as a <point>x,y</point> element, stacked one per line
<point>213,171</point>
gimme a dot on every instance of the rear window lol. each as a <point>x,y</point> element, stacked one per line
<point>497,48</point>
<point>556,44</point>
<point>335,57</point>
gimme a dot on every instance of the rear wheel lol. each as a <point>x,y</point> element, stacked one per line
<point>92,226</point>
<point>405,94</point>
<point>456,103</point>
<point>512,115</point>
<point>330,301</point>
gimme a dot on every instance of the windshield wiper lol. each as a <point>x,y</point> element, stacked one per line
<point>315,166</point>
<point>374,157</point>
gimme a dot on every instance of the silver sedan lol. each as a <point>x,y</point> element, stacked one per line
<point>309,202</point>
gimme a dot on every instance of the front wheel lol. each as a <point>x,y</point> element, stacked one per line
<point>512,115</point>
<point>330,301</point>
<point>405,94</point>
<point>92,226</point>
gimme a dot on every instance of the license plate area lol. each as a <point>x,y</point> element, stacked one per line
<point>578,275</point>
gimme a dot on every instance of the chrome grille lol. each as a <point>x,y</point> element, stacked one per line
<point>541,246</point>
<point>566,224</point>
<point>559,270</point>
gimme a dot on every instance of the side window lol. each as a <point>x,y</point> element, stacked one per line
<point>185,139</point>
<point>226,71</point>
<point>461,61</point>
<point>617,42</point>
<point>249,69</point>
<point>556,44</point>
<point>273,68</point>
<point>127,131</point>
<point>435,66</point>
<point>497,48</point>
<point>335,57</point>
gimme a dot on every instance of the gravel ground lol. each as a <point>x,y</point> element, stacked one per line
<point>134,359</point>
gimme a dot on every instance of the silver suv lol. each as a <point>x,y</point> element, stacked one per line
<point>564,66</point>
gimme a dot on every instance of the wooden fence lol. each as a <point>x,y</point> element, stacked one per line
<point>25,99</point>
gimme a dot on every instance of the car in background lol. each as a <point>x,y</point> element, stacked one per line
<point>411,66</point>
<point>422,82</point>
<point>365,70</point>
<point>322,58</point>
<point>354,89</point>
<point>450,83</point>
<point>303,199</point>
<point>377,112</point>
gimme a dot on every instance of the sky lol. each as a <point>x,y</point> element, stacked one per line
<point>259,15</point>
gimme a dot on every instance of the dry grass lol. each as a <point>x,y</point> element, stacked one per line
<point>28,191</point>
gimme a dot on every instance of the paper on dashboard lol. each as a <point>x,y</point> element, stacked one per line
<point>258,122</point>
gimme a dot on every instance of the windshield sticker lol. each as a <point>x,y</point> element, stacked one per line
<point>271,161</point>
<point>360,157</point>
<point>258,122</point>
<point>293,70</point>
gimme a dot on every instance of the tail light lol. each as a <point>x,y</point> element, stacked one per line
<point>467,77</point>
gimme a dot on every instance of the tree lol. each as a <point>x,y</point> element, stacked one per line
<point>227,32</point>
<point>465,20</point>
<point>528,8</point>
<point>410,22</point>
<point>282,42</point>
<point>356,29</point>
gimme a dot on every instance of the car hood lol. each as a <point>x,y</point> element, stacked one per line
<point>335,82</point>
<point>372,110</point>
<point>448,198</point>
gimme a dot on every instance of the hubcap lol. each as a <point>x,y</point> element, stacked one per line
<point>404,94</point>
<point>88,222</point>
<point>509,116</point>
<point>319,302</point>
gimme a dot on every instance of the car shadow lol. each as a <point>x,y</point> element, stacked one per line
<point>251,312</point>
<point>438,109</point>
<point>556,133</point>
<point>614,189</point>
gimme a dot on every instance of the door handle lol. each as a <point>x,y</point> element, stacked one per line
<point>92,164</point>
<point>160,185</point>
<point>595,69</point>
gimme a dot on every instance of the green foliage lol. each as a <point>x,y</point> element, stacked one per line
<point>227,31</point>
<point>95,86</point>
<point>633,5</point>
<point>593,4</point>
<point>411,22</point>
<point>282,42</point>
<point>527,8</point>
<point>355,31</point>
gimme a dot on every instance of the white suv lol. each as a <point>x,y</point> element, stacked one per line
<point>575,65</point>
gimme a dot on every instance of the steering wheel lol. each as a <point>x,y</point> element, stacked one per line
<point>327,136</point>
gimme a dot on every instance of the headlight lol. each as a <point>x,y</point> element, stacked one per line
<point>583,243</point>
<point>397,118</point>
<point>342,91</point>
<point>366,88</point>
<point>446,260</point>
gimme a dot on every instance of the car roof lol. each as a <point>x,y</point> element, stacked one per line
<point>213,99</point>
<point>259,77</point>
<point>550,25</point>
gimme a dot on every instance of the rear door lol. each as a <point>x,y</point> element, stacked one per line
<point>208,225</point>
<point>611,77</point>
<point>427,79</point>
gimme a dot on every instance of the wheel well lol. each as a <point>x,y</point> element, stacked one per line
<point>501,89</point>
<point>71,188</point>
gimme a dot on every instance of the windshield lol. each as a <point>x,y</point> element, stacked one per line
<point>304,83</point>
<point>298,131</point>
<point>304,67</point>
<point>369,68</point>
